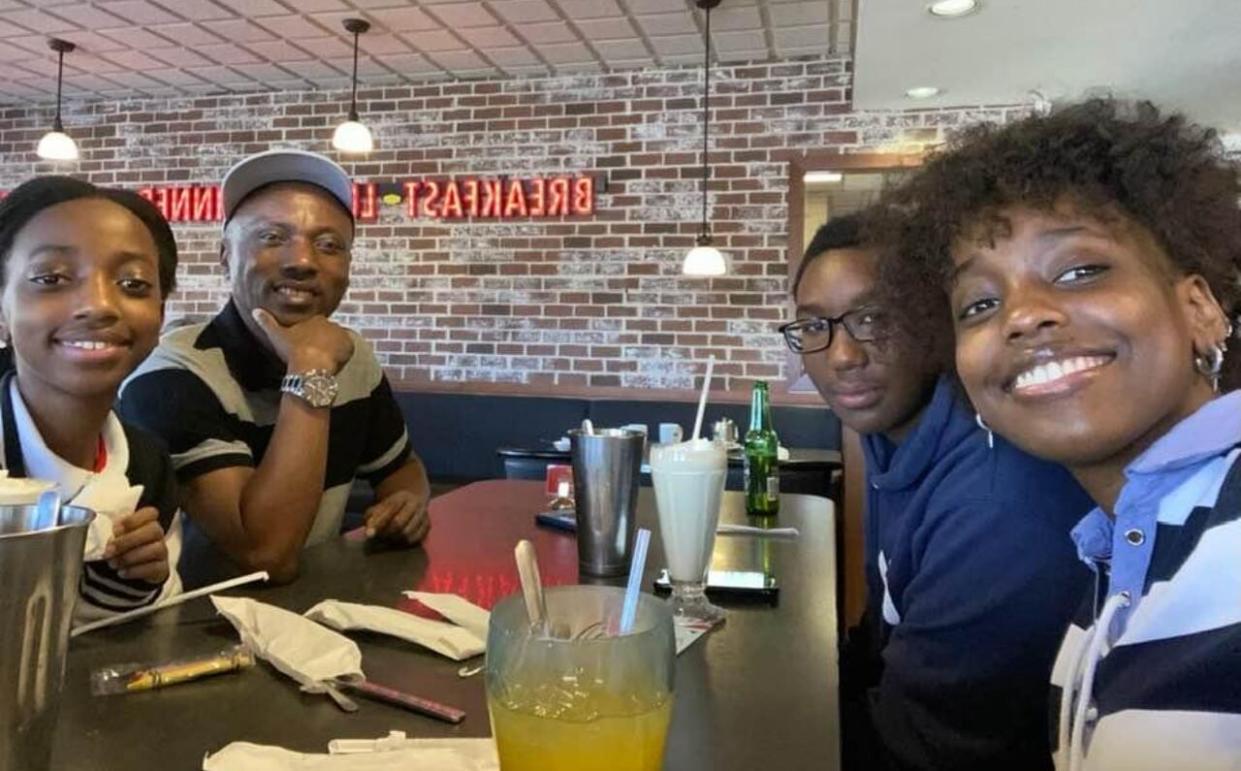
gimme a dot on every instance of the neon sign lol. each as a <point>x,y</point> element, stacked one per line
<point>457,198</point>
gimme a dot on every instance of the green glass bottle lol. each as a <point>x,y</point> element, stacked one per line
<point>762,472</point>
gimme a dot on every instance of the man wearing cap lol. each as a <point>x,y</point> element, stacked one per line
<point>270,409</point>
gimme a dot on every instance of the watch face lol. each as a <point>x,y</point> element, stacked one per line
<point>319,390</point>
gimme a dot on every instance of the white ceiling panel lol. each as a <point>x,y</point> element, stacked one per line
<point>431,41</point>
<point>201,10</point>
<point>526,11</point>
<point>590,9</point>
<point>487,37</point>
<point>139,12</point>
<point>37,21</point>
<point>184,34</point>
<point>85,16</point>
<point>292,27</point>
<point>548,32</point>
<point>463,15</point>
<point>566,53</point>
<point>180,57</point>
<point>1182,55</point>
<point>200,46</point>
<point>238,30</point>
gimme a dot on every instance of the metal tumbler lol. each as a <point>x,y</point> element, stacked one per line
<point>40,564</point>
<point>607,465</point>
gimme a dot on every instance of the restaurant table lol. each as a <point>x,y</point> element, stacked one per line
<point>807,470</point>
<point>759,691</point>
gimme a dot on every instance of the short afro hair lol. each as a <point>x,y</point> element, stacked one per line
<point>843,232</point>
<point>1169,175</point>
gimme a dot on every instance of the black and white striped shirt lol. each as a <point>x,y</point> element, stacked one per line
<point>1154,658</point>
<point>133,458</point>
<point>212,392</point>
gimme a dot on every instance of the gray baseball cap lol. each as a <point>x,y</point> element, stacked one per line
<point>272,166</point>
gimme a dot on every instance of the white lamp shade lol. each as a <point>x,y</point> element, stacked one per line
<point>704,261</point>
<point>353,137</point>
<point>57,146</point>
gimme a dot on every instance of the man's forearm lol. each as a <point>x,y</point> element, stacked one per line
<point>279,502</point>
<point>411,476</point>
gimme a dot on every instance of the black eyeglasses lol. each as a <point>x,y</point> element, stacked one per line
<point>865,325</point>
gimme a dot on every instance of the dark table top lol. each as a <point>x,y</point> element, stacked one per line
<point>757,692</point>
<point>799,457</point>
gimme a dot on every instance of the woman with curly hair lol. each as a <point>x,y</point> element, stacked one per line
<point>1090,262</point>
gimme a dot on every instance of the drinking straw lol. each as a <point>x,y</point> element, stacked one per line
<point>531,585</point>
<point>630,609</point>
<point>48,507</point>
<point>702,400</point>
<point>168,603</point>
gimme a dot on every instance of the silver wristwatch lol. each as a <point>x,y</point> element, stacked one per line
<point>316,387</point>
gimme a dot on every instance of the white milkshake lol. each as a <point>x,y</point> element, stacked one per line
<point>689,480</point>
<point>20,491</point>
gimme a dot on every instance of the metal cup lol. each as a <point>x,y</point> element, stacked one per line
<point>40,564</point>
<point>724,431</point>
<point>606,468</point>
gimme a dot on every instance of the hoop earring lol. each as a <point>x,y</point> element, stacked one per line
<point>983,425</point>
<point>1211,363</point>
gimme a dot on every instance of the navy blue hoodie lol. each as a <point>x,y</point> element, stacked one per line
<point>972,580</point>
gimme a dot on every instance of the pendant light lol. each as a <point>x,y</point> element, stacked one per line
<point>704,259</point>
<point>56,145</point>
<point>352,136</point>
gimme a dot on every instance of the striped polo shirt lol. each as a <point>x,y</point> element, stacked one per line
<point>1153,661</point>
<point>212,392</point>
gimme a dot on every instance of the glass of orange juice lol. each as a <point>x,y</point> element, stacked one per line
<point>580,697</point>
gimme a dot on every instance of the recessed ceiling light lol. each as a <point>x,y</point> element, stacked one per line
<point>922,92</point>
<point>813,177</point>
<point>952,9</point>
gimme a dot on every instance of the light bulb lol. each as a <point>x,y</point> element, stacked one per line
<point>704,261</point>
<point>57,146</point>
<point>951,9</point>
<point>353,137</point>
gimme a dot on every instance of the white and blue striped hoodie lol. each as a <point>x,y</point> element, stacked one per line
<point>1149,674</point>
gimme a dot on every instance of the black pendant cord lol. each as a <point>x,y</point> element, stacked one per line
<point>705,237</point>
<point>60,76</point>
<point>353,102</point>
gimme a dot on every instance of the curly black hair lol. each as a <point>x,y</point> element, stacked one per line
<point>1166,173</point>
<point>33,196</point>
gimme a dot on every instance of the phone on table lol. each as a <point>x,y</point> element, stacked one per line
<point>731,584</point>
<point>557,520</point>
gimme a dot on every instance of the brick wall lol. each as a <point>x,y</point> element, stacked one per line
<point>560,305</point>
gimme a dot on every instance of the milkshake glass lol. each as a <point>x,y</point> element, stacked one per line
<point>689,480</point>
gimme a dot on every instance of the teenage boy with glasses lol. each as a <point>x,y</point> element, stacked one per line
<point>970,576</point>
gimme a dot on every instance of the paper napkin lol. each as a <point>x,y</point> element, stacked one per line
<point>296,646</point>
<point>456,609</point>
<point>453,641</point>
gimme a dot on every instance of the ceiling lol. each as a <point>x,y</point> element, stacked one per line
<point>1184,54</point>
<point>158,47</point>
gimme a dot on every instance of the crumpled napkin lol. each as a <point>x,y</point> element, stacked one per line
<point>301,649</point>
<point>455,642</point>
<point>112,498</point>
<point>391,752</point>
<point>456,609</point>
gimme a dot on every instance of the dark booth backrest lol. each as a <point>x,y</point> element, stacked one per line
<point>456,435</point>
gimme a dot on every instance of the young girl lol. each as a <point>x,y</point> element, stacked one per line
<point>1091,259</point>
<point>83,277</point>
